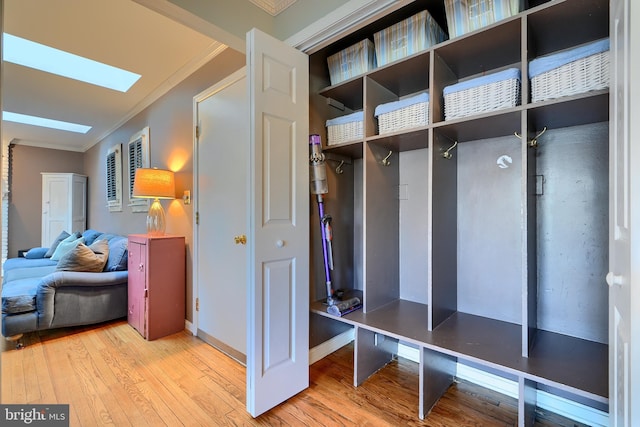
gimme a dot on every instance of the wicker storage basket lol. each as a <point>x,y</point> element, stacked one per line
<point>482,94</point>
<point>352,61</point>
<point>407,37</point>
<point>345,128</point>
<point>464,16</point>
<point>570,72</point>
<point>403,114</point>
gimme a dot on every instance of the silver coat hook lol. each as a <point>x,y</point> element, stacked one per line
<point>447,154</point>
<point>386,161</point>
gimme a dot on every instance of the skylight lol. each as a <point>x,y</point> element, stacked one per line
<point>40,121</point>
<point>35,55</point>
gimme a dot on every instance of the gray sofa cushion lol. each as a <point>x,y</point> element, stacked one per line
<point>20,297</point>
<point>26,273</point>
<point>15,263</point>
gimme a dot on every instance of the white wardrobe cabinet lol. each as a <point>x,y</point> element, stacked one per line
<point>64,204</point>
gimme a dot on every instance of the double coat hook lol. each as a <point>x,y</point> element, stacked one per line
<point>534,142</point>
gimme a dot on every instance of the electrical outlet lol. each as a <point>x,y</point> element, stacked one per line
<point>186,197</point>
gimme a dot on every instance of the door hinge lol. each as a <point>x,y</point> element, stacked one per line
<point>197,131</point>
<point>197,218</point>
<point>197,304</point>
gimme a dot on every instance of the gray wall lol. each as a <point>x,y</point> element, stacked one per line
<point>489,236</point>
<point>25,198</point>
<point>414,232</point>
<point>170,121</point>
<point>573,231</point>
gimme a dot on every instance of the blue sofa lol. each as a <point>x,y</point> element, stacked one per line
<point>37,295</point>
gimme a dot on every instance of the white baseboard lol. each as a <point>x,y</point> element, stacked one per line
<point>189,327</point>
<point>326,348</point>
<point>556,404</point>
<point>570,409</point>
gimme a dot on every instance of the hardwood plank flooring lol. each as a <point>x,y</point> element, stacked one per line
<point>111,376</point>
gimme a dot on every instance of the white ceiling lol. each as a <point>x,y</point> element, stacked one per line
<point>117,32</point>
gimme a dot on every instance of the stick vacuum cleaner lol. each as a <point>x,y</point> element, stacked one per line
<point>319,187</point>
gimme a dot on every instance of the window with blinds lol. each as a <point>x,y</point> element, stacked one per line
<point>114,179</point>
<point>138,155</point>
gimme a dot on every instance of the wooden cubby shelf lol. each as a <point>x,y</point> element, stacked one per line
<point>491,252</point>
<point>559,361</point>
<point>592,107</point>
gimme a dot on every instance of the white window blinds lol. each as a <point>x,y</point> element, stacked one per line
<point>114,179</point>
<point>138,155</point>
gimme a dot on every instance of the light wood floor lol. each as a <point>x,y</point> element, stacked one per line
<point>111,376</point>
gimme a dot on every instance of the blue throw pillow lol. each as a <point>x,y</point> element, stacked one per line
<point>65,246</point>
<point>55,244</point>
<point>90,236</point>
<point>36,253</point>
<point>118,254</point>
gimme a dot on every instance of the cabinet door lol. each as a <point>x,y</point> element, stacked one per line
<point>137,287</point>
<point>278,311</point>
<point>164,292</point>
<point>55,207</point>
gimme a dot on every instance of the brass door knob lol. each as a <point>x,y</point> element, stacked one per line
<point>240,240</point>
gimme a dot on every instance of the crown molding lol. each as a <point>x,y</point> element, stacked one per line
<point>49,145</point>
<point>273,7</point>
<point>352,16</point>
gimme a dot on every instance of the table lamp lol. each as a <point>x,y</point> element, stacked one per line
<point>154,184</point>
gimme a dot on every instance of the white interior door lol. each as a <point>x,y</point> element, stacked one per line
<point>278,344</point>
<point>621,316</point>
<point>222,156</point>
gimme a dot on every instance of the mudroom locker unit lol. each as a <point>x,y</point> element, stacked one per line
<point>479,240</point>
